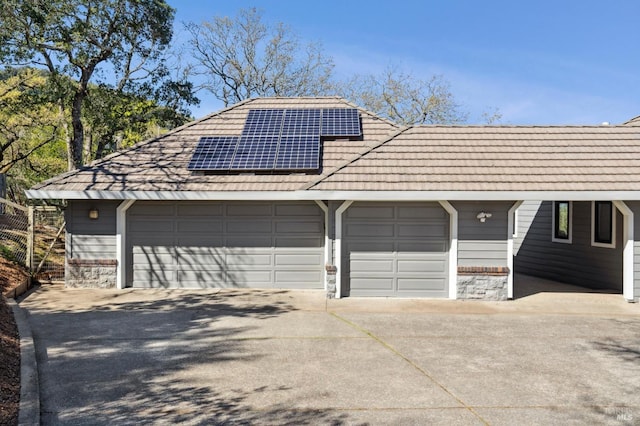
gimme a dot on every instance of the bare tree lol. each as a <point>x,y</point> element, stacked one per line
<point>405,99</point>
<point>242,57</point>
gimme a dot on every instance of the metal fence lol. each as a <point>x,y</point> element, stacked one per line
<point>33,237</point>
<point>16,232</point>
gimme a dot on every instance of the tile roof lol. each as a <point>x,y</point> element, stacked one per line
<point>419,158</point>
<point>160,164</point>
<point>494,158</point>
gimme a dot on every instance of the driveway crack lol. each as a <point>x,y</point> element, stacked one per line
<point>421,370</point>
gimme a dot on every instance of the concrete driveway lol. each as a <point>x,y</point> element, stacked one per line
<point>281,357</point>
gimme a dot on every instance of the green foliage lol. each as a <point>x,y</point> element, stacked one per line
<point>79,42</point>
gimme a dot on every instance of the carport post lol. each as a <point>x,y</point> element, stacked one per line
<point>453,248</point>
<point>510,231</point>
<point>121,247</point>
<point>627,253</point>
<point>327,258</point>
<point>338,260</point>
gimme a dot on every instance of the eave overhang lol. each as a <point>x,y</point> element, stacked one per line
<point>335,195</point>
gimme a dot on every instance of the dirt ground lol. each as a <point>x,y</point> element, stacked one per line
<point>10,276</point>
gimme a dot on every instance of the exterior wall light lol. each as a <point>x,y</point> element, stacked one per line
<point>483,216</point>
<point>93,213</point>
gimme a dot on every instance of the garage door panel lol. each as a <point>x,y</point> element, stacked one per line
<point>197,242</point>
<point>244,259</point>
<point>200,226</point>
<point>413,266</point>
<point>248,241</point>
<point>247,209</point>
<point>153,275</point>
<point>297,227</point>
<point>372,246</point>
<point>291,259</point>
<point>153,226</point>
<point>424,212</point>
<point>204,276</point>
<point>368,230</point>
<point>426,285</point>
<point>421,231</point>
<point>151,209</point>
<point>366,285</point>
<point>142,258</point>
<point>370,212</point>
<point>217,244</point>
<point>199,209</point>
<point>249,227</point>
<point>150,240</point>
<point>302,278</point>
<point>201,261</point>
<point>370,266</point>
<point>402,253</point>
<point>245,278</point>
<point>299,242</point>
<point>421,247</point>
<point>297,210</point>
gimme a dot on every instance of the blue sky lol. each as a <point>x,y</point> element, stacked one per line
<point>538,62</point>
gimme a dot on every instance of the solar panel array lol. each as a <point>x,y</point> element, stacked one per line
<point>276,140</point>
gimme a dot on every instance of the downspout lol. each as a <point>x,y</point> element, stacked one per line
<point>453,248</point>
<point>510,232</point>
<point>628,251</point>
<point>121,246</point>
<point>327,255</point>
<point>338,260</point>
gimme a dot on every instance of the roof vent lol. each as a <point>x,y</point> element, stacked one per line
<point>605,123</point>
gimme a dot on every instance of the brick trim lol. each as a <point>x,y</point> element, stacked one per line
<point>92,262</point>
<point>483,270</point>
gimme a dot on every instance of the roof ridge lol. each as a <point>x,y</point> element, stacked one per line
<point>355,158</point>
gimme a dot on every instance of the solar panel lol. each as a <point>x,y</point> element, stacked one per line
<point>276,139</point>
<point>263,122</point>
<point>255,153</point>
<point>300,152</point>
<point>301,122</point>
<point>213,153</point>
<point>340,122</point>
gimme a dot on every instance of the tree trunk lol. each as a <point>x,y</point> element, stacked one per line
<point>77,139</point>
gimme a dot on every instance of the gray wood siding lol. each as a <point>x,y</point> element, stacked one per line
<point>577,263</point>
<point>87,238</point>
<point>234,244</point>
<point>635,206</point>
<point>395,249</point>
<point>482,244</point>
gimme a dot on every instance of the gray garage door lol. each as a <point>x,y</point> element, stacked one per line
<point>216,244</point>
<point>396,249</point>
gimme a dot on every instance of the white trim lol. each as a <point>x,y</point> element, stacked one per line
<point>594,243</point>
<point>453,248</point>
<point>325,209</point>
<point>121,243</point>
<point>338,238</point>
<point>311,195</point>
<point>511,233</point>
<point>553,223</point>
<point>628,260</point>
<point>514,234</point>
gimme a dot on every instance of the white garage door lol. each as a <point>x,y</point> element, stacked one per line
<point>396,249</point>
<point>233,244</point>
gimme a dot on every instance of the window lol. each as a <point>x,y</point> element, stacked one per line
<point>603,224</point>
<point>561,232</point>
